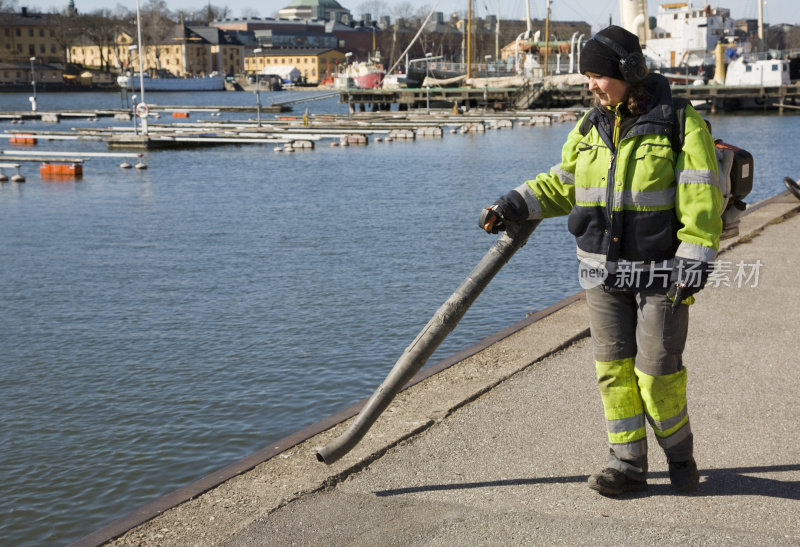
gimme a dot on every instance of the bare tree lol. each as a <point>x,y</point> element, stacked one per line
<point>67,31</point>
<point>210,13</point>
<point>793,38</point>
<point>157,28</point>
<point>101,28</point>
<point>404,10</point>
<point>776,37</point>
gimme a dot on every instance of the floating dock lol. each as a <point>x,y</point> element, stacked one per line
<point>126,114</point>
<point>427,112</point>
<point>298,132</point>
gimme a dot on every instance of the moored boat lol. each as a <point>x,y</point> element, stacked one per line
<point>684,38</point>
<point>212,82</point>
<point>761,72</point>
<point>366,75</point>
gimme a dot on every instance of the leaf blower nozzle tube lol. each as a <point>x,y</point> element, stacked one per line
<point>441,324</point>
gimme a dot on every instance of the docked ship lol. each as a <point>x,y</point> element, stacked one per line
<point>684,38</point>
<point>433,68</point>
<point>366,75</point>
<point>213,82</point>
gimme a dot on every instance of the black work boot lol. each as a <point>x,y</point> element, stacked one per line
<point>684,475</point>
<point>611,482</point>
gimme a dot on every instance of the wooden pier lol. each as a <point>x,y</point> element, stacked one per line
<point>731,98</point>
<point>466,98</point>
<point>535,95</point>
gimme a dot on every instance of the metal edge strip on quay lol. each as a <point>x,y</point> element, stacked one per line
<point>122,525</point>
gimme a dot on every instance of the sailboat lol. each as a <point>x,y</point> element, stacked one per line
<point>417,70</point>
<point>438,72</point>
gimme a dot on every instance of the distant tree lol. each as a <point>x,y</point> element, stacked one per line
<point>776,37</point>
<point>407,26</point>
<point>157,28</point>
<point>203,16</point>
<point>422,11</point>
<point>101,28</point>
<point>793,38</point>
<point>211,12</point>
<point>8,5</point>
<point>67,28</point>
<point>404,10</point>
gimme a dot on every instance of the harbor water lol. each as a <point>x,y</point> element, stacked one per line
<point>160,324</point>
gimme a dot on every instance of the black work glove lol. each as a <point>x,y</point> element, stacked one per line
<point>511,207</point>
<point>687,278</point>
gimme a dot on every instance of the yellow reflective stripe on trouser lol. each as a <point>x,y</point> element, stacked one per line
<point>624,412</point>
<point>664,399</point>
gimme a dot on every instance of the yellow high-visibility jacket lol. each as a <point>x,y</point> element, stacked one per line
<point>632,198</point>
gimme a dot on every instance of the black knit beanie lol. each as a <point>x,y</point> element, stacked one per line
<point>599,58</point>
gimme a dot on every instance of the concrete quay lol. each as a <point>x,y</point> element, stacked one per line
<point>494,446</point>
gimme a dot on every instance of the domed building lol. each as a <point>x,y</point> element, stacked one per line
<point>325,10</point>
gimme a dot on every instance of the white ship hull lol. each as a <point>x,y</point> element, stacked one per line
<point>201,83</point>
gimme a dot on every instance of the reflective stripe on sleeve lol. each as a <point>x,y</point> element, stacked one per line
<point>696,176</point>
<point>534,207</point>
<point>696,252</point>
<point>563,175</point>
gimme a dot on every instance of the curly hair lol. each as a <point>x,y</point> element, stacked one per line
<point>639,99</point>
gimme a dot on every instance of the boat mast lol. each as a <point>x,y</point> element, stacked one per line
<point>469,39</point>
<point>413,40</point>
<point>760,26</point>
<point>394,37</point>
<point>528,32</point>
<point>497,34</point>
<point>546,37</point>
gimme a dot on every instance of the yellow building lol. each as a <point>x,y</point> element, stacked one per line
<point>188,52</point>
<point>24,35</point>
<point>315,65</point>
<point>227,54</point>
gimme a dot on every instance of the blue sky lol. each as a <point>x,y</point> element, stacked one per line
<point>594,12</point>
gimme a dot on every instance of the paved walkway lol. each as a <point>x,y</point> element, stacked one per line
<point>496,449</point>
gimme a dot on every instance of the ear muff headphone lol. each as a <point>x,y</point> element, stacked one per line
<point>632,65</point>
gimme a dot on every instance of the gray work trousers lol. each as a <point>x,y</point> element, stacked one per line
<point>638,345</point>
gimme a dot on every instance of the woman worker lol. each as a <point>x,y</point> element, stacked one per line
<point>646,217</point>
